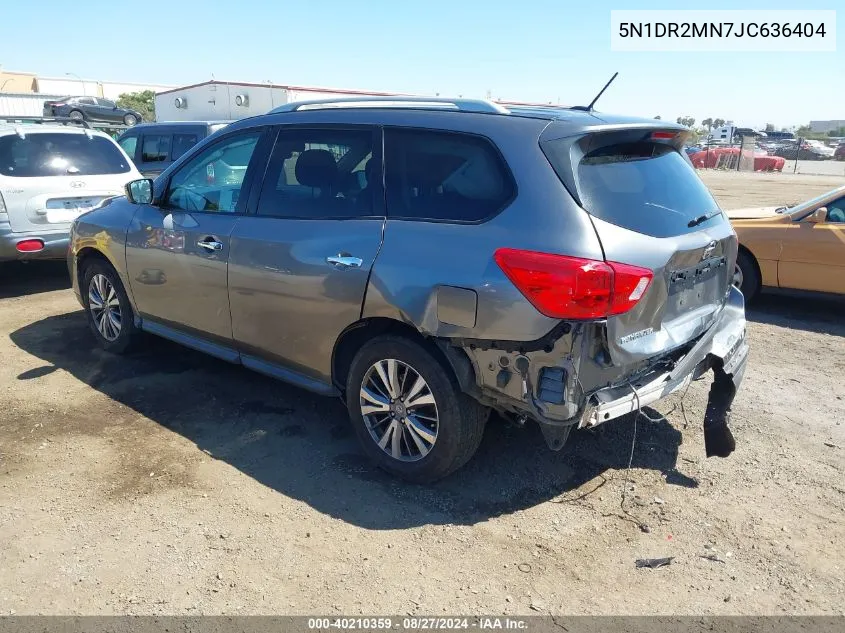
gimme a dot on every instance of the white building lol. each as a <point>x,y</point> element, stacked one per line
<point>228,100</point>
<point>823,127</point>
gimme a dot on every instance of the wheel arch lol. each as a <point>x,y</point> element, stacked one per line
<point>744,249</point>
<point>353,338</point>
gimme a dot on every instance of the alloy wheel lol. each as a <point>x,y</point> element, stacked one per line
<point>105,307</point>
<point>399,410</point>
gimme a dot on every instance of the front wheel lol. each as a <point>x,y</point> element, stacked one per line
<point>107,307</point>
<point>130,120</point>
<point>410,416</point>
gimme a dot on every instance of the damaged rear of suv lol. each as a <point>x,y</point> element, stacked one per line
<point>602,286</point>
<point>431,260</point>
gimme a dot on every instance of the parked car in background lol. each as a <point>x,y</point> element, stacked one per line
<point>709,158</point>
<point>154,146</point>
<point>431,259</point>
<point>807,151</point>
<point>797,248</point>
<point>94,109</point>
<point>49,174</point>
<point>839,154</point>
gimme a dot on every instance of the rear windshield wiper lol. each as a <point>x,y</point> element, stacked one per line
<point>703,218</point>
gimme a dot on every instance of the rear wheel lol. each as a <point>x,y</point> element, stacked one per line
<point>746,278</point>
<point>107,307</point>
<point>76,115</point>
<point>130,120</point>
<point>410,416</point>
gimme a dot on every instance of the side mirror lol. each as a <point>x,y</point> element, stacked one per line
<point>140,191</point>
<point>817,216</point>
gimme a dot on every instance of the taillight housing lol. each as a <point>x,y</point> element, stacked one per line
<point>29,246</point>
<point>564,287</point>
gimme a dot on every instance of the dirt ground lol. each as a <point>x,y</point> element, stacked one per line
<point>172,483</point>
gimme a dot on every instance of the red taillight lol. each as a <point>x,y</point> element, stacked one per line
<point>664,136</point>
<point>29,246</point>
<point>565,287</point>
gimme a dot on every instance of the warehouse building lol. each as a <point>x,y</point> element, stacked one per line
<point>225,100</point>
<point>228,101</point>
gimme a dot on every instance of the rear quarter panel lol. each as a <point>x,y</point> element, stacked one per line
<point>418,258</point>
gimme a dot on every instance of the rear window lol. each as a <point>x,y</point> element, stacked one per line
<point>644,187</point>
<point>55,154</point>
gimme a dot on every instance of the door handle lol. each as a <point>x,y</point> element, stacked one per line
<point>210,245</point>
<point>344,261</point>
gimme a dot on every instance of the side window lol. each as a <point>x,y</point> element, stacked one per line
<point>320,174</point>
<point>155,148</point>
<point>836,211</point>
<point>128,144</point>
<point>106,103</point>
<point>86,100</point>
<point>211,181</point>
<point>443,176</point>
<point>181,144</point>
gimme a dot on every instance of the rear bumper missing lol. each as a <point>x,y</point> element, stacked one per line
<point>723,349</point>
<point>559,384</point>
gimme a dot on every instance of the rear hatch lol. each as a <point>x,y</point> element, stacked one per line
<point>651,210</point>
<point>48,178</point>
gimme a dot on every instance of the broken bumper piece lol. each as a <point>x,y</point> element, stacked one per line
<point>723,348</point>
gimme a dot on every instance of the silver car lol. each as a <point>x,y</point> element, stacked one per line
<point>429,261</point>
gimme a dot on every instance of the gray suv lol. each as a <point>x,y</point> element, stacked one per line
<point>431,260</point>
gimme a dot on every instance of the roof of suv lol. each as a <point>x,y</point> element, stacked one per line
<point>178,124</point>
<point>30,128</point>
<point>576,117</point>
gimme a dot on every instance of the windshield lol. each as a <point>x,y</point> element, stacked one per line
<point>807,206</point>
<point>645,187</point>
<point>56,154</point>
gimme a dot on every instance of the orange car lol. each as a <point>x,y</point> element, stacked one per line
<point>796,248</point>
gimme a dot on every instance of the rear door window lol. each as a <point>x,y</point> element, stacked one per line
<point>182,143</point>
<point>646,187</point>
<point>56,154</point>
<point>155,148</point>
<point>321,174</point>
<point>444,176</point>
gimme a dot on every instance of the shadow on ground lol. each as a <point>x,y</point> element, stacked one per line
<point>303,446</point>
<point>821,315</point>
<point>18,279</point>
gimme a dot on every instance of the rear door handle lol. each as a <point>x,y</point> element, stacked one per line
<point>344,261</point>
<point>210,245</point>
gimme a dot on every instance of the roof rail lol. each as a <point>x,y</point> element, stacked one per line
<point>44,120</point>
<point>424,103</point>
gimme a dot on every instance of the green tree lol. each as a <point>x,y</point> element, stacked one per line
<point>687,121</point>
<point>708,123</point>
<point>718,122</point>
<point>657,117</point>
<point>143,102</point>
<point>770,127</point>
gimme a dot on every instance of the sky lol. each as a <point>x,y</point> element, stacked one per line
<point>531,50</point>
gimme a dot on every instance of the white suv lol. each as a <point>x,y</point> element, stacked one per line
<point>49,175</point>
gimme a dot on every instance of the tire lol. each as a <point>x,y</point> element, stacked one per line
<point>130,119</point>
<point>746,277</point>
<point>76,115</point>
<point>460,420</point>
<point>127,334</point>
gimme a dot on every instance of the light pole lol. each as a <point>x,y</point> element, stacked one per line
<point>80,81</point>
<point>4,83</point>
